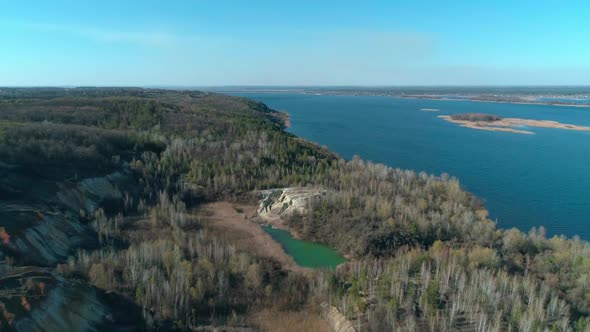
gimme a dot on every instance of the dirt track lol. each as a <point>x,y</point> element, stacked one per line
<point>243,229</point>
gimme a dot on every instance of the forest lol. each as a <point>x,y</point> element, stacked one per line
<point>105,185</point>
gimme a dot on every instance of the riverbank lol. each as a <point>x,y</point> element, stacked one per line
<point>509,124</point>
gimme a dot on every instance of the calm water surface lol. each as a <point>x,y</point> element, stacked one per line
<point>525,180</point>
<point>305,253</point>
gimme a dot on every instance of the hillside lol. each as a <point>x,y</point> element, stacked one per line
<point>101,196</point>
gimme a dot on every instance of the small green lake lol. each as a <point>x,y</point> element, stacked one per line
<point>305,253</point>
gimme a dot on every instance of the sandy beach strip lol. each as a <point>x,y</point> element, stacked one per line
<point>510,124</point>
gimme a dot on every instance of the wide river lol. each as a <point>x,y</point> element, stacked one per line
<point>525,180</point>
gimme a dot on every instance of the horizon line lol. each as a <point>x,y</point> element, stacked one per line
<point>172,86</point>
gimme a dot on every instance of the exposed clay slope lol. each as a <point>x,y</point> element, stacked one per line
<point>42,218</point>
<point>33,299</point>
<point>336,319</point>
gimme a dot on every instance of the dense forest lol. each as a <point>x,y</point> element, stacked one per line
<point>100,191</point>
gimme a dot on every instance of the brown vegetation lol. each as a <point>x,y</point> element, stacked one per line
<point>475,117</point>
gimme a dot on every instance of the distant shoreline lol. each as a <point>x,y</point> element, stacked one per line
<point>523,100</point>
<point>495,101</point>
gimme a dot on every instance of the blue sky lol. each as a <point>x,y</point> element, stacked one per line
<point>207,43</point>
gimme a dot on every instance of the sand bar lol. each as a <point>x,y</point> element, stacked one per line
<point>512,124</point>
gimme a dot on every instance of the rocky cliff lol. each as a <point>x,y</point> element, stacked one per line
<point>276,203</point>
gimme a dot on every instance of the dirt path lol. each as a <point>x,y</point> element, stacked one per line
<point>281,321</point>
<point>239,224</point>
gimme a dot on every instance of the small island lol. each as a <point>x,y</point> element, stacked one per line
<point>476,117</point>
<point>492,122</point>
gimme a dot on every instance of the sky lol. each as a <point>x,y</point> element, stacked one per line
<point>220,43</point>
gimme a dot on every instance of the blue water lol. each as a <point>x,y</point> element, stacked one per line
<point>525,180</point>
<point>566,100</point>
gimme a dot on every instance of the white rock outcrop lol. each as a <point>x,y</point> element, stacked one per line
<point>276,203</point>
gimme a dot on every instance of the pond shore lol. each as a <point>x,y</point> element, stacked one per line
<point>241,224</point>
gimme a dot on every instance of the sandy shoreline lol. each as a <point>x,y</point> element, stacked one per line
<point>509,124</point>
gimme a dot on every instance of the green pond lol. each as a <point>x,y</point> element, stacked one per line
<point>305,253</point>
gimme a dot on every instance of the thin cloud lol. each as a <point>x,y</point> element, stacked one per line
<point>155,39</point>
